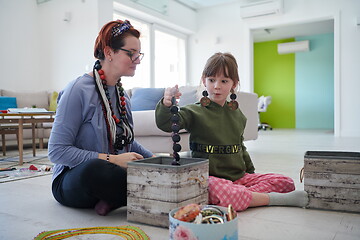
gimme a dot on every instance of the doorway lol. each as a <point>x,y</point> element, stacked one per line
<point>304,112</point>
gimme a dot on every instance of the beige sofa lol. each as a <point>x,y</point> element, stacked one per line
<point>40,99</point>
<point>145,129</point>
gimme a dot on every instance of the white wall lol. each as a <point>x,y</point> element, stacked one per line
<point>219,29</point>
<point>44,52</point>
<point>66,47</point>
<point>235,36</point>
<point>19,45</point>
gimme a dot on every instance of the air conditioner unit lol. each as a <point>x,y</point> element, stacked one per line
<point>261,8</point>
<point>292,47</point>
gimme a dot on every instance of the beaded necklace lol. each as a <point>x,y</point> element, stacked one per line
<point>175,127</point>
<point>120,132</point>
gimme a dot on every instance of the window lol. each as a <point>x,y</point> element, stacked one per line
<point>169,59</point>
<point>164,62</point>
<point>142,74</point>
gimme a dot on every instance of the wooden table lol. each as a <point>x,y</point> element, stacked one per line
<point>13,123</point>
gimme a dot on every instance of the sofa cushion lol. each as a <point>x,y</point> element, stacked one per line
<point>145,98</point>
<point>53,101</point>
<point>188,95</point>
<point>29,99</point>
<point>7,102</point>
<point>145,125</point>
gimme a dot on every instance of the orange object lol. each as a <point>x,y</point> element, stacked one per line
<point>188,213</point>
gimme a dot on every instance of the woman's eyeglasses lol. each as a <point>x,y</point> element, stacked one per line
<point>133,55</point>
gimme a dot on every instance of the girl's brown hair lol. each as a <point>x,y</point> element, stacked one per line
<point>224,63</point>
<point>107,38</point>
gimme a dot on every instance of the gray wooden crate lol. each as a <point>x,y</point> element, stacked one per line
<point>332,180</point>
<point>155,187</point>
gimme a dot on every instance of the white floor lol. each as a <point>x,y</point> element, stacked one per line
<point>28,208</point>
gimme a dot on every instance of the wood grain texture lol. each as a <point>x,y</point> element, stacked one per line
<point>153,191</point>
<point>333,182</point>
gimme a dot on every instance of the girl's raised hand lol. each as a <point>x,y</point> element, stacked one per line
<point>169,93</point>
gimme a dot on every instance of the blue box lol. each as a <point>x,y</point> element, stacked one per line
<point>7,102</point>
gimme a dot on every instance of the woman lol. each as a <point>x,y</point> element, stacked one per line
<point>92,138</point>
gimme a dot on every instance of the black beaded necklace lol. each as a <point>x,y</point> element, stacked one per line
<point>175,127</point>
<point>120,132</point>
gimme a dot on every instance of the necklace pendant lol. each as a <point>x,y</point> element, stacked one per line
<point>233,105</point>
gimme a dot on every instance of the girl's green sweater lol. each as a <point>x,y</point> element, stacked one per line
<point>216,133</point>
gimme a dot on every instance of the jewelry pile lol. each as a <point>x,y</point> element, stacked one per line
<point>205,215</point>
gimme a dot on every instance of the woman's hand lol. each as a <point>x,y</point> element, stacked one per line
<point>169,94</point>
<point>123,159</point>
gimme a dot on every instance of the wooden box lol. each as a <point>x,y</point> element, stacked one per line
<point>332,180</point>
<point>155,187</point>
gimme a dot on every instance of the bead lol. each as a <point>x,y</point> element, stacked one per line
<point>123,103</point>
<point>205,93</point>
<point>101,72</point>
<point>175,118</point>
<point>122,98</point>
<point>233,96</point>
<point>175,128</point>
<point>174,109</point>
<point>102,77</point>
<point>176,137</point>
<point>97,65</point>
<point>116,119</point>
<point>177,147</point>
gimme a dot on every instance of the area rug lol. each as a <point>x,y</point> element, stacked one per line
<point>126,232</point>
<point>19,172</point>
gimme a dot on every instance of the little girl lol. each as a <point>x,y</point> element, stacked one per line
<point>216,128</point>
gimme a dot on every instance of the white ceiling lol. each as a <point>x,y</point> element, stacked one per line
<point>198,4</point>
<point>271,33</point>
<point>291,31</point>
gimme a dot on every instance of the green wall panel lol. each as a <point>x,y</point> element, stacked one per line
<point>274,75</point>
